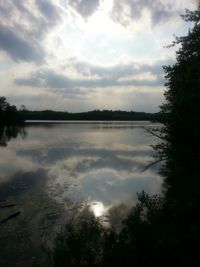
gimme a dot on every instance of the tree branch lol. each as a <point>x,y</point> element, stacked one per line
<point>154,134</point>
<point>153,163</point>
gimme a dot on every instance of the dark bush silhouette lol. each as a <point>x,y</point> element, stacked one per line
<point>9,115</point>
<point>9,132</point>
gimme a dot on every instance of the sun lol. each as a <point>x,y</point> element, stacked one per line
<point>102,23</point>
<point>97,208</point>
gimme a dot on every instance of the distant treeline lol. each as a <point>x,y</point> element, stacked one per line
<point>90,115</point>
<point>10,115</point>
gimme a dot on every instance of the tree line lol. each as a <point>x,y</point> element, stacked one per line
<point>10,115</point>
<point>90,115</point>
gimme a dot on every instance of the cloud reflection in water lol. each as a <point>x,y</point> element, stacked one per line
<point>56,167</point>
<point>87,162</point>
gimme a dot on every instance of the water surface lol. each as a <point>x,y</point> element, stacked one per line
<point>47,170</point>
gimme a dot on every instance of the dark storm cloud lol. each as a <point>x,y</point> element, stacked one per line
<point>23,27</point>
<point>114,72</point>
<point>18,48</point>
<point>53,80</point>
<point>50,79</point>
<point>19,6</point>
<point>49,11</point>
<point>118,71</point>
<point>127,10</point>
<point>85,7</point>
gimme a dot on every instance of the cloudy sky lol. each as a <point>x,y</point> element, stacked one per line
<point>80,55</point>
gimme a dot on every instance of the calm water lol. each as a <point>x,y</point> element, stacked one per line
<point>50,170</point>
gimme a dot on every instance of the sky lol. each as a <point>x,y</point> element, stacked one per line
<point>81,55</point>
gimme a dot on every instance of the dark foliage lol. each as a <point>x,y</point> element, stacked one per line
<point>8,114</point>
<point>181,132</point>
<point>80,243</point>
<point>9,132</point>
<point>90,115</point>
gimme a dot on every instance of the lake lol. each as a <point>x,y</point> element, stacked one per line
<point>49,170</point>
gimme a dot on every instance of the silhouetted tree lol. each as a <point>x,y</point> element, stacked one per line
<point>3,103</point>
<point>9,115</point>
<point>181,147</point>
<point>181,112</point>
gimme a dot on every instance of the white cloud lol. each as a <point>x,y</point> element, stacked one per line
<point>160,11</point>
<point>80,52</point>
